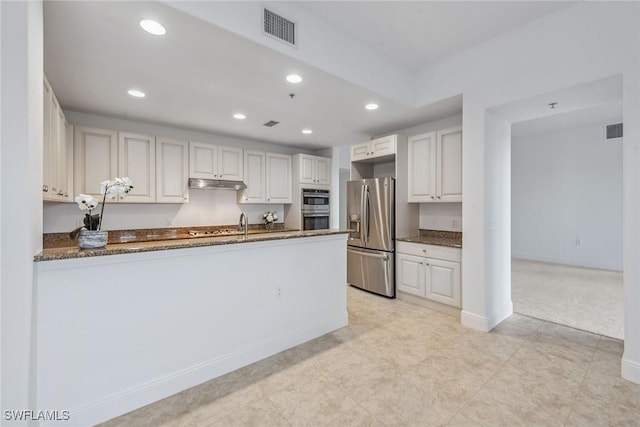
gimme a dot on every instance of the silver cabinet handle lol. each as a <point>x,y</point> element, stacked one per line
<point>45,188</point>
<point>60,193</point>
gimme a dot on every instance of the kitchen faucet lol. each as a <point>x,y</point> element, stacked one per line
<point>244,223</point>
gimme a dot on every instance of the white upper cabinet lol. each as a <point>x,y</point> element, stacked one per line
<point>95,154</point>
<point>268,178</point>
<point>422,164</point>
<point>278,182</point>
<point>137,160</point>
<point>435,166</point>
<point>209,161</point>
<point>172,171</point>
<point>376,148</point>
<point>313,169</point>
<point>56,146</point>
<point>449,182</point>
<point>254,177</point>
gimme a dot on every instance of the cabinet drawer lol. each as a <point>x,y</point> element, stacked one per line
<point>429,251</point>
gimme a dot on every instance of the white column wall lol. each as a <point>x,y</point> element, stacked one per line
<point>21,188</point>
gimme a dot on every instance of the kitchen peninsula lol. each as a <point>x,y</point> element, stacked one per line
<point>151,319</point>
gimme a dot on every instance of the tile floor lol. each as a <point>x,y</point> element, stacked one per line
<point>398,364</point>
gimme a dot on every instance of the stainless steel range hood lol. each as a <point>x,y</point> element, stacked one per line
<point>213,184</point>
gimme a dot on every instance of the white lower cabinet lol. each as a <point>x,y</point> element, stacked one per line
<point>429,271</point>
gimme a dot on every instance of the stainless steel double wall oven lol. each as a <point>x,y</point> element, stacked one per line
<point>316,209</point>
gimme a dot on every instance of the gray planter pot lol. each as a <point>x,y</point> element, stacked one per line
<point>92,239</point>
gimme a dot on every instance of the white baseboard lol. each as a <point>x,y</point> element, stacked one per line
<point>486,323</point>
<point>137,397</point>
<point>630,370</point>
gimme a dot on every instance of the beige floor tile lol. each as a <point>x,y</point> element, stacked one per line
<point>517,396</point>
<point>169,412</point>
<point>536,358</point>
<point>568,335</point>
<point>311,402</point>
<point>404,403</point>
<point>356,417</point>
<point>595,412</point>
<point>611,345</point>
<point>611,388</point>
<point>518,325</point>
<point>461,421</point>
<point>260,412</point>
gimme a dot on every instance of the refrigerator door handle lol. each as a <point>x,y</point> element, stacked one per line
<point>368,204</point>
<point>364,219</point>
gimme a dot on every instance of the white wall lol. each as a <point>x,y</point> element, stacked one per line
<point>584,42</point>
<point>21,189</point>
<point>205,207</point>
<point>567,187</point>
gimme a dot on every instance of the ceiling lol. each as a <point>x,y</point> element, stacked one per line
<point>418,33</point>
<point>198,75</point>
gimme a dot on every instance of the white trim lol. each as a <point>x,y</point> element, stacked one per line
<point>630,370</point>
<point>485,324</point>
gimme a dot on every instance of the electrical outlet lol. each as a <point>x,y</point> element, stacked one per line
<point>454,223</point>
<point>278,292</point>
<point>169,221</point>
<point>578,241</point>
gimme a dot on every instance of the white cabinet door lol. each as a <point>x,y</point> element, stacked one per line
<point>323,171</point>
<point>230,164</point>
<point>410,276</point>
<point>95,159</point>
<point>422,165</point>
<point>62,165</point>
<point>360,151</point>
<point>254,177</point>
<point>443,282</point>
<point>383,146</point>
<point>47,142</point>
<point>308,166</point>
<point>137,160</point>
<point>278,178</point>
<point>172,171</point>
<point>450,165</point>
<point>203,161</point>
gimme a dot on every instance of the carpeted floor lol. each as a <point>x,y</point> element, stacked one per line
<point>583,298</point>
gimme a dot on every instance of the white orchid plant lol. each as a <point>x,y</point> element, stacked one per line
<point>270,217</point>
<point>109,189</point>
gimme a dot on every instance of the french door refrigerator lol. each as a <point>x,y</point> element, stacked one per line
<point>370,250</point>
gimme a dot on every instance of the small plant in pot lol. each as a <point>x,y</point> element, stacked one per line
<point>90,235</point>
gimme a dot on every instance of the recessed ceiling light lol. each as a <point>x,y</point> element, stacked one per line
<point>153,27</point>
<point>136,93</point>
<point>307,131</point>
<point>294,78</point>
<point>239,116</point>
<point>371,106</point>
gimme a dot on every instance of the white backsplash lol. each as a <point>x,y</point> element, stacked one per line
<point>205,207</point>
<point>441,216</point>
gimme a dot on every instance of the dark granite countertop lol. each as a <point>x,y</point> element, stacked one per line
<point>450,239</point>
<point>60,253</point>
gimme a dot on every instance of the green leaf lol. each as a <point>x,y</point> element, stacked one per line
<point>74,233</point>
<point>91,222</point>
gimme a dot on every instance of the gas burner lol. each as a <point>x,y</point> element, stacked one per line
<point>214,232</point>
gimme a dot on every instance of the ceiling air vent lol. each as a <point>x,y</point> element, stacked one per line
<point>278,27</point>
<point>613,132</point>
<point>270,123</point>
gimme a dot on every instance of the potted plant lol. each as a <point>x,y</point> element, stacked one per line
<point>269,219</point>
<point>90,235</point>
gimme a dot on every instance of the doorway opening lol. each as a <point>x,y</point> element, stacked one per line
<point>566,208</point>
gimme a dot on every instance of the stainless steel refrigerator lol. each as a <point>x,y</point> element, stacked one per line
<point>370,250</point>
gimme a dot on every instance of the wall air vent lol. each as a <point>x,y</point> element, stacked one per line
<point>270,123</point>
<point>613,132</point>
<point>280,28</point>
